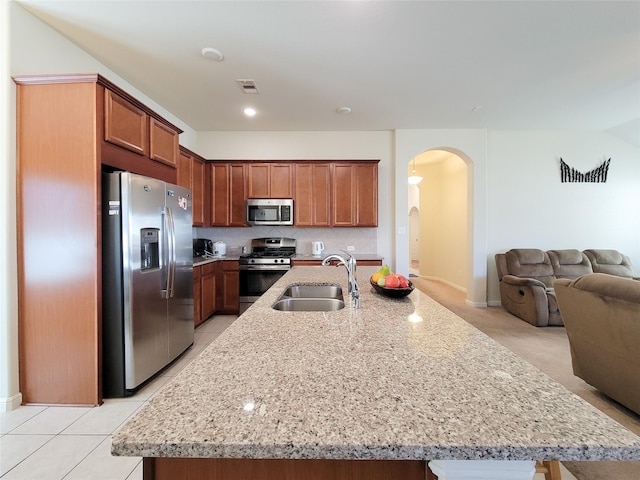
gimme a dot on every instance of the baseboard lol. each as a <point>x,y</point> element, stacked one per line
<point>446,282</point>
<point>475,304</point>
<point>10,403</point>
<point>494,303</point>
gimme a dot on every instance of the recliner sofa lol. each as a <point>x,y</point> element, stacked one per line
<point>526,277</point>
<point>602,317</point>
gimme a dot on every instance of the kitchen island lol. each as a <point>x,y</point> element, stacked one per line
<point>375,392</point>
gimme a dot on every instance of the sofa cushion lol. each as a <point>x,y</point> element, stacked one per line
<point>611,262</point>
<point>530,263</point>
<point>569,263</point>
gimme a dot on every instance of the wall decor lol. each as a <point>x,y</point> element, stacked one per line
<point>597,175</point>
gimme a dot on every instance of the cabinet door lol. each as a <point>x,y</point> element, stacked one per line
<point>343,196</point>
<point>125,125</point>
<point>208,290</point>
<point>227,195</point>
<point>197,297</point>
<point>312,195</point>
<point>219,194</point>
<point>281,180</point>
<point>185,170</point>
<point>270,180</point>
<point>366,198</point>
<point>355,195</point>
<point>197,192</point>
<point>258,181</point>
<point>229,291</point>
<point>163,143</point>
<point>237,196</point>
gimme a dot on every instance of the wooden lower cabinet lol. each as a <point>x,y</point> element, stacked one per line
<point>197,297</point>
<point>229,287</point>
<point>216,289</point>
<point>208,290</point>
<point>281,469</point>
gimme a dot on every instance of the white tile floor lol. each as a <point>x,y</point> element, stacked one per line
<point>74,443</point>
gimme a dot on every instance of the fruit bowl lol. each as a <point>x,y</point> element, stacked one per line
<point>392,292</point>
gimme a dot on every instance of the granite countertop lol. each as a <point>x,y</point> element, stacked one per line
<point>396,379</point>
<point>197,261</point>
<point>358,256</point>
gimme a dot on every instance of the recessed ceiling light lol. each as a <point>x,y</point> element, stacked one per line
<point>250,112</point>
<point>212,54</point>
<point>344,110</point>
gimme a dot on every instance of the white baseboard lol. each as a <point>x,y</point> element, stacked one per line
<point>10,403</point>
<point>494,303</point>
<point>476,304</point>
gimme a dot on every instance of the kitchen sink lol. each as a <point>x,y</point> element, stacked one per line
<point>308,304</point>
<point>312,291</point>
<point>310,298</point>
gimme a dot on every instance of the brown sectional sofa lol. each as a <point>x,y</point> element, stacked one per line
<point>602,317</point>
<point>526,277</point>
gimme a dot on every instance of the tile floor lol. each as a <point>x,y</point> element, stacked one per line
<point>74,443</point>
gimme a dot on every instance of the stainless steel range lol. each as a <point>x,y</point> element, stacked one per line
<point>270,259</point>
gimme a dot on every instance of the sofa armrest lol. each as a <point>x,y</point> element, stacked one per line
<point>526,298</point>
<point>523,281</point>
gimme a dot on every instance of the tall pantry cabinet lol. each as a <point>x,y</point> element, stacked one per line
<point>61,149</point>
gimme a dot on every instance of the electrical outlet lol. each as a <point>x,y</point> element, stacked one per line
<point>351,248</point>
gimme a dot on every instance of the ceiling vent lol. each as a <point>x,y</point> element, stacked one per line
<point>247,85</point>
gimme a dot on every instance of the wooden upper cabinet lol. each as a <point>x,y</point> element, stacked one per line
<point>200,217</point>
<point>270,180</point>
<point>129,125</point>
<point>163,143</point>
<point>227,194</point>
<point>355,194</point>
<point>185,169</point>
<point>125,124</point>
<point>312,195</point>
<point>191,174</point>
<point>366,195</point>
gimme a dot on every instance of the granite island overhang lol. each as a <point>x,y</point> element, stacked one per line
<point>396,380</point>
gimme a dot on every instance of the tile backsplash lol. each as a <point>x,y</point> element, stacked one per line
<point>364,240</point>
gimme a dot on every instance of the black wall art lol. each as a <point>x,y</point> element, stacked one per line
<point>597,175</point>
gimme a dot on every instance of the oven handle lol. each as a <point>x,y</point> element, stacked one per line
<point>264,267</point>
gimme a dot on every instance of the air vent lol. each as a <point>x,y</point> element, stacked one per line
<point>247,85</point>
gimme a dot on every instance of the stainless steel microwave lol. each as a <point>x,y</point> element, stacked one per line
<point>270,211</point>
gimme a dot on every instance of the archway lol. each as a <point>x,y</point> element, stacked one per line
<point>414,241</point>
<point>471,147</point>
<point>440,240</point>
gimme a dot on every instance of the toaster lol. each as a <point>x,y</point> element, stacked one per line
<point>202,246</point>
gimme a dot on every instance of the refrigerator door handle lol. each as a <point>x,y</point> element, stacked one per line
<point>171,243</point>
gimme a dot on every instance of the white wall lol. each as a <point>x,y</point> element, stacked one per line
<point>316,146</point>
<point>9,392</point>
<point>31,47</point>
<point>529,207</point>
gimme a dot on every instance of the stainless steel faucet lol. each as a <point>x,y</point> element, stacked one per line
<point>350,264</point>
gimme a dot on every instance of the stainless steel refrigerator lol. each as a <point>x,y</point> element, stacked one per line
<point>147,284</point>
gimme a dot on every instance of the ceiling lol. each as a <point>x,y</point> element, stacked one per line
<point>397,64</point>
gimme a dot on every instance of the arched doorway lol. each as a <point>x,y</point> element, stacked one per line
<point>438,218</point>
<point>414,241</point>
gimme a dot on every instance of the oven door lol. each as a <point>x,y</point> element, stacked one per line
<point>255,280</point>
